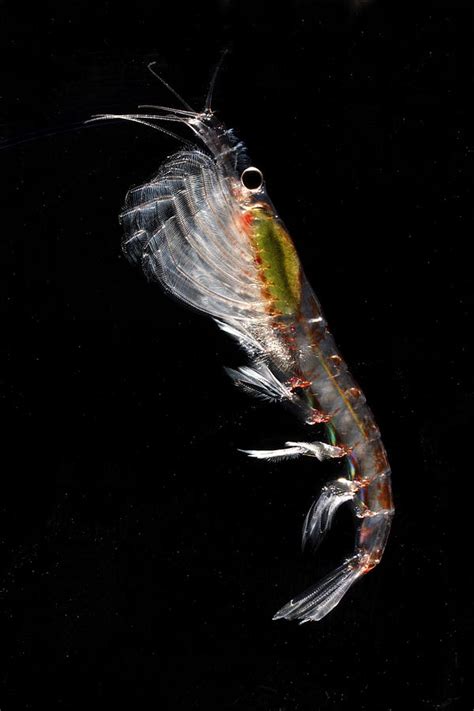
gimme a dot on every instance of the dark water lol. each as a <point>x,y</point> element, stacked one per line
<point>142,557</point>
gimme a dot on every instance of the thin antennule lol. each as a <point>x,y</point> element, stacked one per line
<point>178,112</point>
<point>170,88</point>
<point>207,106</point>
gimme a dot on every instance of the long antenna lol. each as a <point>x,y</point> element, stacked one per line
<point>207,106</point>
<point>170,88</point>
<point>137,118</point>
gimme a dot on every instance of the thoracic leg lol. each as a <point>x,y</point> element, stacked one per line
<point>319,517</point>
<point>320,450</point>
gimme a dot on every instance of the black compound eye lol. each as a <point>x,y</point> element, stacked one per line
<point>252,178</point>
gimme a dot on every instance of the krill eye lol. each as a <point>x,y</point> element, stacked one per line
<point>252,178</point>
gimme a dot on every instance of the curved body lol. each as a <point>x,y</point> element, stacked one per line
<point>218,245</point>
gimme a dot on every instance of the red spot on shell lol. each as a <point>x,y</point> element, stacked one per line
<point>247,219</point>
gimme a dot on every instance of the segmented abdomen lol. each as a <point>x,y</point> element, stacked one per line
<point>338,395</point>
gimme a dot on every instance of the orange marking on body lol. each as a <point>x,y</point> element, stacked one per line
<point>381,461</point>
<point>317,417</point>
<point>346,450</point>
<point>296,382</point>
<point>384,494</point>
<point>370,565</point>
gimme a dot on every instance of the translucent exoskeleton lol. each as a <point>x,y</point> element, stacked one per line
<point>204,228</point>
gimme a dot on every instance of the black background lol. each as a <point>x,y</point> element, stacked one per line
<point>142,557</point>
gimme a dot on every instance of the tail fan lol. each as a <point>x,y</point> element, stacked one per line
<point>316,602</point>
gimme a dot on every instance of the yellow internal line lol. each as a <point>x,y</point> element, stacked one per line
<point>345,400</point>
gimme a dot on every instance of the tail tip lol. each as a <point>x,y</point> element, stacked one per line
<point>316,602</point>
